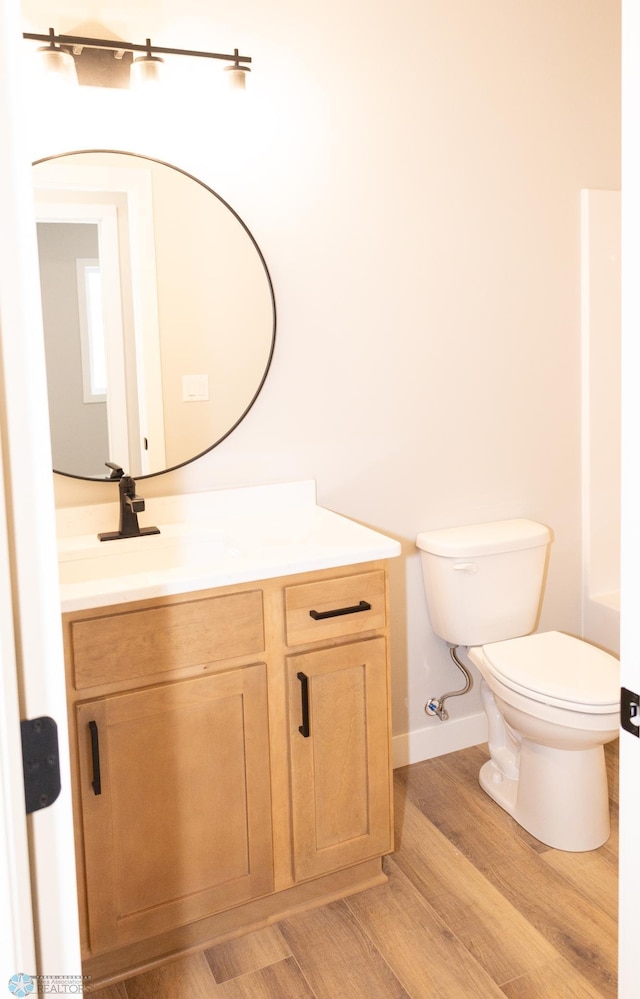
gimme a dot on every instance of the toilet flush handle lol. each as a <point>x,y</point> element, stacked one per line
<point>469,567</point>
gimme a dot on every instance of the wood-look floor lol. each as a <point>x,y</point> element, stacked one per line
<point>474,907</point>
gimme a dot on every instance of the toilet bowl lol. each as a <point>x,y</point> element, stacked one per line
<point>552,703</point>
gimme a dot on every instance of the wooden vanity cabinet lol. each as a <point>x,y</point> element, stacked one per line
<point>230,759</point>
<point>176,807</point>
<point>339,758</point>
<point>339,734</point>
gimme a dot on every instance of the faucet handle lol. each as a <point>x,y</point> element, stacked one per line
<point>128,494</point>
<point>116,471</point>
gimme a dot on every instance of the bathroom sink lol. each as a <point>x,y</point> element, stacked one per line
<point>207,540</point>
<point>157,556</point>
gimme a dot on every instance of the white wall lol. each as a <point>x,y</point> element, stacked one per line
<point>601,417</point>
<point>412,176</point>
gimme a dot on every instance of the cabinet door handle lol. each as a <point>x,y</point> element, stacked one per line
<point>304,729</point>
<point>96,783</point>
<point>357,609</point>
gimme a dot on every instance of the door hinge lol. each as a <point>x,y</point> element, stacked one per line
<point>630,711</point>
<point>40,762</point>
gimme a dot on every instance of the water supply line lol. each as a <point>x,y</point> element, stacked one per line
<point>435,705</point>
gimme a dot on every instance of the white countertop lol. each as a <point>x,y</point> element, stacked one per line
<point>206,540</point>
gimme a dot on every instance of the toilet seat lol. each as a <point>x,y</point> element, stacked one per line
<point>554,668</point>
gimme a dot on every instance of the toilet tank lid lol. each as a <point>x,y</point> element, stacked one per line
<point>484,539</point>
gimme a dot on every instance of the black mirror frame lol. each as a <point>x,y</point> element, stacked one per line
<point>151,159</point>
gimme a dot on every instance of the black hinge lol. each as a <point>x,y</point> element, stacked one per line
<point>630,711</point>
<point>40,762</point>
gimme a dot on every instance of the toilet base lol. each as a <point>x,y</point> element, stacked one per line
<point>560,797</point>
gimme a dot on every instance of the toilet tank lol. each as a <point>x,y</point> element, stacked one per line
<point>483,582</point>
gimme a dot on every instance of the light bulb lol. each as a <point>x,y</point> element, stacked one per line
<point>59,64</point>
<point>237,76</point>
<point>146,70</point>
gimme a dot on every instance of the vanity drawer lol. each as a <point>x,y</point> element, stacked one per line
<point>347,605</point>
<point>155,640</point>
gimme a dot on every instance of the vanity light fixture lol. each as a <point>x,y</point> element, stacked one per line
<point>107,62</point>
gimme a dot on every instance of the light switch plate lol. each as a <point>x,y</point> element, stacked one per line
<point>195,388</point>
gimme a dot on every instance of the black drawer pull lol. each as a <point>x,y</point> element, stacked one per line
<point>304,729</point>
<point>357,609</point>
<point>95,758</point>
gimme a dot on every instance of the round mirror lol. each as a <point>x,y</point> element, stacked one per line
<point>158,312</point>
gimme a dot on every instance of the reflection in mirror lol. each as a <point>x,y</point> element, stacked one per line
<point>154,285</point>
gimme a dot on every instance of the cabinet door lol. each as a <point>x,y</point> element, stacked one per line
<point>340,760</point>
<point>175,802</point>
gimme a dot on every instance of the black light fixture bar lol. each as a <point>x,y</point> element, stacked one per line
<point>120,46</point>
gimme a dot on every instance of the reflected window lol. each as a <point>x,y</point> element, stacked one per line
<point>92,336</point>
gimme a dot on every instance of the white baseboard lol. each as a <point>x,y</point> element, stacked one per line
<point>439,738</point>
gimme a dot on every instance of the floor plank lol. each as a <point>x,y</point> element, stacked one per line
<point>283,980</point>
<point>447,792</point>
<point>249,953</point>
<point>594,874</point>
<point>426,957</point>
<point>584,934</point>
<point>558,981</point>
<point>337,958</point>
<point>188,977</point>
<point>499,937</point>
<point>117,991</point>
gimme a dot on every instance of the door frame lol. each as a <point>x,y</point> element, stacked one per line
<point>17,945</point>
<point>32,591</point>
<point>629,869</point>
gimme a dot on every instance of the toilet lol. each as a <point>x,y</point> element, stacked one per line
<point>552,701</point>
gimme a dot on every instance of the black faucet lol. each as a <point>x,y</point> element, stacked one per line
<point>130,506</point>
